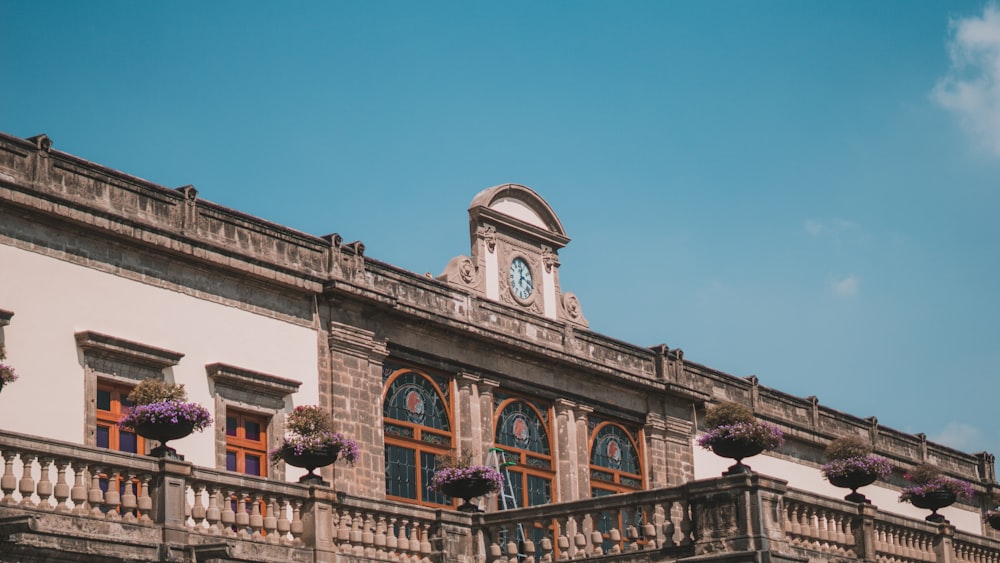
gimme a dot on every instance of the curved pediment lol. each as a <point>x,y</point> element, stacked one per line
<point>521,203</point>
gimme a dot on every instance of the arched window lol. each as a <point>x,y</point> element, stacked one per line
<point>522,431</point>
<point>615,465</point>
<point>417,416</point>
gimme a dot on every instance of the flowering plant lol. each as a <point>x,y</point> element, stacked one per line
<point>310,431</point>
<point>167,412</point>
<point>452,468</point>
<point>851,455</point>
<point>157,402</point>
<point>7,374</point>
<point>729,422</point>
<point>928,479</point>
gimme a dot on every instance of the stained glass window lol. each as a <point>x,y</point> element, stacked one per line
<point>522,432</point>
<point>417,418</point>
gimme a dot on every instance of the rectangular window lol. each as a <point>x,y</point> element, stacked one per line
<point>246,443</point>
<point>112,403</point>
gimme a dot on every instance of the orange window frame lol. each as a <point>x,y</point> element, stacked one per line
<point>241,444</point>
<point>118,406</point>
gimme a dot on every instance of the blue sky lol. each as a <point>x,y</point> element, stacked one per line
<point>803,191</point>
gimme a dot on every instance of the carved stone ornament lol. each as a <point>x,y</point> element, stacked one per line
<point>489,235</point>
<point>467,271</point>
<point>571,309</point>
<point>549,259</point>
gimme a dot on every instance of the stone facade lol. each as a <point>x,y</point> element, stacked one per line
<point>257,317</point>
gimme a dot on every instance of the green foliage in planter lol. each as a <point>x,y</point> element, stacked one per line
<point>153,390</point>
<point>728,413</point>
<point>847,447</point>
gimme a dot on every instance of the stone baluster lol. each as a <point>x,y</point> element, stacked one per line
<point>414,547</point>
<point>368,535</point>
<point>296,527</point>
<point>228,513</point>
<point>144,504</point>
<point>344,531</point>
<point>357,533</point>
<point>213,514</point>
<point>283,524</point>
<point>271,521</point>
<point>78,494</point>
<point>391,536</point>
<point>564,538</point>
<point>380,539</point>
<point>26,486</point>
<point>129,499</point>
<point>8,483</point>
<point>95,496</point>
<point>546,550</point>
<point>256,518</point>
<point>198,510</point>
<point>242,517</point>
<point>112,497</point>
<point>61,492</point>
<point>44,486</point>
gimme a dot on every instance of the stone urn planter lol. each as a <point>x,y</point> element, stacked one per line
<point>163,432</point>
<point>733,432</point>
<point>309,460</point>
<point>739,450</point>
<point>854,481</point>
<point>993,518</point>
<point>933,501</point>
<point>468,489</point>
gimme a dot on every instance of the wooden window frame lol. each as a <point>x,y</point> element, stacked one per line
<point>110,418</point>
<point>416,442</point>
<point>616,485</point>
<point>241,445</point>
<point>521,457</point>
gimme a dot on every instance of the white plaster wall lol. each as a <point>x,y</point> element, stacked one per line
<point>805,477</point>
<point>53,299</point>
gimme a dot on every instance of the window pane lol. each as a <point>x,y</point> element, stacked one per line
<point>103,400</point>
<point>230,426</point>
<point>103,437</point>
<point>427,467</point>
<point>128,442</point>
<point>539,490</point>
<point>251,464</point>
<point>400,472</point>
<point>252,430</point>
<point>230,461</point>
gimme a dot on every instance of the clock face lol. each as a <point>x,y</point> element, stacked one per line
<point>520,279</point>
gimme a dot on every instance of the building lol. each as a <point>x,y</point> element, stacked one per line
<point>110,279</point>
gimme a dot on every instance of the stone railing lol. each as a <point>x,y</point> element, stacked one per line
<point>61,500</point>
<point>657,521</point>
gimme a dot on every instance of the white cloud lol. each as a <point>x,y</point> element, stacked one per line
<point>958,435</point>
<point>832,227</point>
<point>971,89</point>
<point>846,287</point>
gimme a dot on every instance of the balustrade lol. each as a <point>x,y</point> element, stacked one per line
<point>205,508</point>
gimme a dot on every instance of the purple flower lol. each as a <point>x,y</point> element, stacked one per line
<point>443,477</point>
<point>7,374</point>
<point>167,412</point>
<point>761,433</point>
<point>869,464</point>
<point>962,489</point>
<point>316,442</point>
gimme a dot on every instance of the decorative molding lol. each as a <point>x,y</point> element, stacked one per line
<point>488,233</point>
<point>356,342</point>
<point>255,381</point>
<point>126,350</point>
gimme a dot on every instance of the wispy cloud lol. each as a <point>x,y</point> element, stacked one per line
<point>846,287</point>
<point>958,435</point>
<point>830,227</point>
<point>971,89</point>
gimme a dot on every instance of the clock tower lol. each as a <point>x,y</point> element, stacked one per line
<point>516,238</point>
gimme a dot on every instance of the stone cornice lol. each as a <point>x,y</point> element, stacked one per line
<point>243,378</point>
<point>5,317</point>
<point>126,350</point>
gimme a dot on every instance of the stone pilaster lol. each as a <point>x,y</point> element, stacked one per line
<point>679,455</point>
<point>354,397</point>
<point>486,429</point>
<point>583,452</point>
<point>657,468</point>
<point>469,416</point>
<point>567,453</point>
